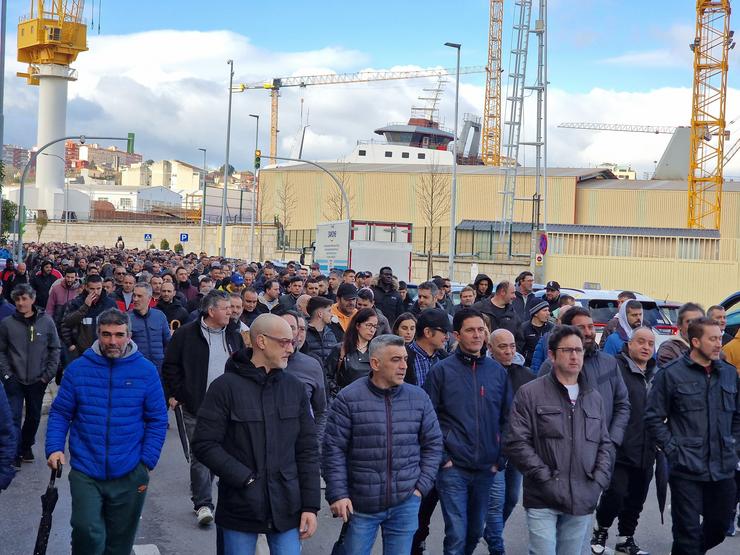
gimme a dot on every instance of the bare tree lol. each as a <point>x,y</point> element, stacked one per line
<point>41,222</point>
<point>286,203</point>
<point>334,207</point>
<point>433,197</point>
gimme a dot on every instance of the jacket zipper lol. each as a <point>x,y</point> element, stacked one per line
<point>477,410</point>
<point>388,449</point>
<point>709,428</point>
<point>107,418</point>
<point>572,446</point>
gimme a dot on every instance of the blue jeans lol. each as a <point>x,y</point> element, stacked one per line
<point>555,533</point>
<point>501,502</point>
<point>464,498</point>
<point>232,542</point>
<point>398,524</point>
<point>33,396</point>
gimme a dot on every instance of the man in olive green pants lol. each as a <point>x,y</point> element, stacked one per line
<point>112,406</point>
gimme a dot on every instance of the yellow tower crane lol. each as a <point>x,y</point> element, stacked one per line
<point>276,84</point>
<point>491,132</point>
<point>711,46</point>
<point>52,33</point>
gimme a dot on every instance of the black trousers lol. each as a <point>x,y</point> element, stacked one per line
<point>700,511</point>
<point>624,498</point>
<point>426,509</point>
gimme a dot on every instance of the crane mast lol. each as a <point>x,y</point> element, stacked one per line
<point>492,109</point>
<point>711,46</point>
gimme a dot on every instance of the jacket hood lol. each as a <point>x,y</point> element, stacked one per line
<point>37,312</point>
<point>632,365</point>
<point>481,277</point>
<point>241,364</point>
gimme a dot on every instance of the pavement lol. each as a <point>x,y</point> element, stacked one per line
<point>168,525</point>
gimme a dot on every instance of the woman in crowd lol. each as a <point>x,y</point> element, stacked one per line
<point>350,360</point>
<point>405,326</point>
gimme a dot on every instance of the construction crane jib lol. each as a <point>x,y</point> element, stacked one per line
<point>711,46</point>
<point>276,84</point>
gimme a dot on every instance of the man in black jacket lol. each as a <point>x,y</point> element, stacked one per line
<point>196,356</point>
<point>693,413</point>
<point>387,298</point>
<point>525,298</point>
<point>255,432</point>
<point>498,307</point>
<point>42,282</point>
<point>533,329</point>
<point>633,471</point>
<point>171,305</point>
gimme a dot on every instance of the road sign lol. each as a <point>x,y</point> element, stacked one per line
<point>147,237</point>
<point>539,260</point>
<point>183,237</point>
<point>543,243</point>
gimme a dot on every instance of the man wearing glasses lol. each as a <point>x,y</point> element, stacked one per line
<point>558,439</point>
<point>194,358</point>
<point>255,432</point>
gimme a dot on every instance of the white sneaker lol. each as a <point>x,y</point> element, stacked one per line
<point>204,515</point>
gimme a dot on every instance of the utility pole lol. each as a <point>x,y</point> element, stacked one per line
<point>453,192</point>
<point>203,203</point>
<point>255,184</point>
<point>222,251</point>
<point>4,15</point>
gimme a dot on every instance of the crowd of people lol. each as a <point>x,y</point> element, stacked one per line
<point>290,381</point>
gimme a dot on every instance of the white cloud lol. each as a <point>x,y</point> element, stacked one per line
<point>170,87</point>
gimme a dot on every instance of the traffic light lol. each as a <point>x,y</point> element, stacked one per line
<point>257,156</point>
<point>130,143</point>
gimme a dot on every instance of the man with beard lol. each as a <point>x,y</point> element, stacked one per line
<point>386,294</point>
<point>630,318</point>
<point>79,321</point>
<point>171,306</point>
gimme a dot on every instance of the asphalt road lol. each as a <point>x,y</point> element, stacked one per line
<point>168,524</point>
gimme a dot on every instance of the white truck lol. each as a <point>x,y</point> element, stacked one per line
<point>364,245</point>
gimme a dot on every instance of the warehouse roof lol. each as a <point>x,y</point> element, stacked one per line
<point>581,174</point>
<point>526,227</point>
<point>651,185</point>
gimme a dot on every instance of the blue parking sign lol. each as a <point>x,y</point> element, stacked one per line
<point>147,237</point>
<point>183,237</point>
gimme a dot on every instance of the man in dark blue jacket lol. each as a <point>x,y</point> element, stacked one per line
<point>472,397</point>
<point>693,412</point>
<point>8,442</point>
<point>382,450</point>
<point>112,405</point>
<point>149,328</point>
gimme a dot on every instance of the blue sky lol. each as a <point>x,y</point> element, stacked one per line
<point>609,61</point>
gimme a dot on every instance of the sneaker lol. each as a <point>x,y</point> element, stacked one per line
<point>598,540</point>
<point>17,463</point>
<point>27,456</point>
<point>204,515</point>
<point>626,545</point>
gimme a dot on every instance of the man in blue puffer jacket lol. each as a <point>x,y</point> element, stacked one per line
<point>382,449</point>
<point>149,328</point>
<point>472,397</point>
<point>112,405</point>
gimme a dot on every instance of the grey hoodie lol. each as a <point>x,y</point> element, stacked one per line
<point>29,348</point>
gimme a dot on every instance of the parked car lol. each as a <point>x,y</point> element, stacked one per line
<point>732,307</point>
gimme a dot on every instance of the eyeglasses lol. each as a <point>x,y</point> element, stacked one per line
<point>282,341</point>
<point>370,326</point>
<point>440,330</point>
<point>570,350</point>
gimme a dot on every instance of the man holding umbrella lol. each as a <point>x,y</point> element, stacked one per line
<point>111,404</point>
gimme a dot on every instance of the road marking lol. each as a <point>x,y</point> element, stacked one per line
<point>148,549</point>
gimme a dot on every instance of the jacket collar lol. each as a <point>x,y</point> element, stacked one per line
<point>390,392</point>
<point>649,369</point>
<point>716,364</point>
<point>241,364</point>
<point>467,359</point>
<point>583,384</point>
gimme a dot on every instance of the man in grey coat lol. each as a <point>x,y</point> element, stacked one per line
<point>29,355</point>
<point>558,440</point>
<point>382,450</point>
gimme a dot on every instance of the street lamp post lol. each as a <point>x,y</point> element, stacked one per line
<point>226,165</point>
<point>255,184</point>
<point>453,193</point>
<point>66,196</point>
<point>203,202</point>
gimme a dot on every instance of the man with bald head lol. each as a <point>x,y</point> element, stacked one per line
<point>272,490</point>
<point>302,303</point>
<point>504,493</point>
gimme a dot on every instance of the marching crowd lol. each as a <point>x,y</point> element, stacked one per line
<point>290,381</point>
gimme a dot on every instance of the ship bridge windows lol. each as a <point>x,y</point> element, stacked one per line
<point>421,156</point>
<point>362,152</point>
<point>388,154</point>
<point>404,155</point>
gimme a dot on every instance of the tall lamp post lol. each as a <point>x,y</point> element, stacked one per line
<point>222,252</point>
<point>203,202</point>
<point>254,186</point>
<point>453,193</point>
<point>66,195</point>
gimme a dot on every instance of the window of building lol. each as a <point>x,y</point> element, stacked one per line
<point>404,155</point>
<point>421,156</point>
<point>388,154</point>
<point>362,153</point>
<point>125,203</point>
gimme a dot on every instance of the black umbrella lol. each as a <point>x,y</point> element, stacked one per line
<point>48,502</point>
<point>183,433</point>
<point>339,547</point>
<point>661,481</point>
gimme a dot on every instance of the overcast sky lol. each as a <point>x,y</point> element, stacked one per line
<point>159,69</point>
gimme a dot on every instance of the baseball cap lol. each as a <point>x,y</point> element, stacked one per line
<point>237,279</point>
<point>347,291</point>
<point>433,318</point>
<point>552,286</point>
